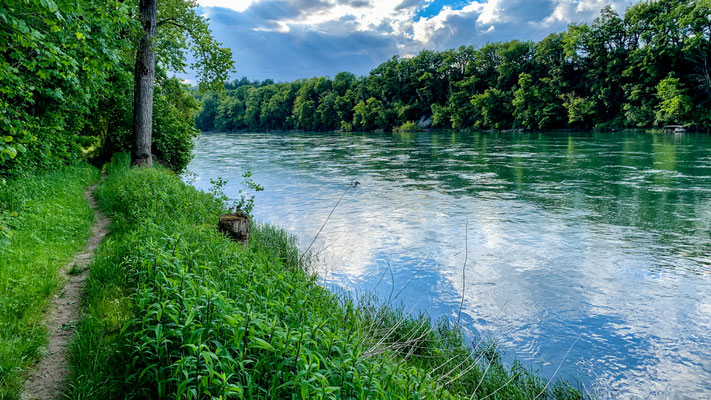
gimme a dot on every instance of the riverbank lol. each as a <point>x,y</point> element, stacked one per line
<point>44,220</point>
<point>410,129</point>
<point>173,309</point>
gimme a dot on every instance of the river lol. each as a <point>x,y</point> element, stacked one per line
<point>588,254</point>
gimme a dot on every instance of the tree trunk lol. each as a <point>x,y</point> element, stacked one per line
<point>235,226</point>
<point>143,89</point>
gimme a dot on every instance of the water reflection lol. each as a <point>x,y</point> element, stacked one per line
<point>601,238</point>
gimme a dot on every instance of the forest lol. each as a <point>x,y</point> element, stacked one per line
<point>646,69</point>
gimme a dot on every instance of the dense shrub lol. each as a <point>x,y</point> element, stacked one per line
<point>56,59</point>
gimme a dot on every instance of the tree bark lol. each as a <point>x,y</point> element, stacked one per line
<point>235,226</point>
<point>143,87</point>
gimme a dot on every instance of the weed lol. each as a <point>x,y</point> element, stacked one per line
<point>75,270</point>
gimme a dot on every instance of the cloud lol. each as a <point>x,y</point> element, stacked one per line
<point>262,50</point>
<point>237,5</point>
<point>290,39</point>
<point>567,11</point>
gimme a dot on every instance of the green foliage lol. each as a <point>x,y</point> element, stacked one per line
<point>175,110</point>
<point>537,105</point>
<point>675,104</point>
<point>368,115</point>
<point>173,128</point>
<point>408,126</point>
<point>602,74</point>
<point>181,28</point>
<point>211,106</point>
<point>494,107</point>
<point>245,201</point>
<point>56,62</point>
<point>176,310</point>
<point>580,111</point>
<point>43,221</point>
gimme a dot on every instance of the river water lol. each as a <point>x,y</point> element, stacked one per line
<point>588,254</point>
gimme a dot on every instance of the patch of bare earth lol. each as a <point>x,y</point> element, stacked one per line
<point>47,381</point>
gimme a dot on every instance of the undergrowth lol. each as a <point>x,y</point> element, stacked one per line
<point>175,310</point>
<point>44,220</point>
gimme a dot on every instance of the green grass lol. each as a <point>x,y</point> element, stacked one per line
<point>175,310</point>
<point>44,220</point>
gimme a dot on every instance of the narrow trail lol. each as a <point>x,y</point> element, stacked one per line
<point>46,382</point>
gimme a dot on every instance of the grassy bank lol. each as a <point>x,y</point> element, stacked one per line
<point>174,310</point>
<point>44,220</point>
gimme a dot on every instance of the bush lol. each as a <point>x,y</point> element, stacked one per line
<point>408,126</point>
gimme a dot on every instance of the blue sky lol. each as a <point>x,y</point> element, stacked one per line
<point>291,39</point>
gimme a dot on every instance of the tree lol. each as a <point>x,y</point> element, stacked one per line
<point>602,74</point>
<point>145,72</point>
<point>180,22</point>
<point>368,115</point>
<point>494,107</point>
<point>537,105</point>
<point>675,104</point>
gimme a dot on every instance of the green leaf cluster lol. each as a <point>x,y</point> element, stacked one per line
<point>56,59</point>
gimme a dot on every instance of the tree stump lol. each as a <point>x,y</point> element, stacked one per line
<point>235,226</point>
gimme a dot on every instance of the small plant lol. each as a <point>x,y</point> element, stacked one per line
<point>75,270</point>
<point>246,197</point>
<point>245,201</point>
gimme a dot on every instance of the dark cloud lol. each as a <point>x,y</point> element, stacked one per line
<point>301,52</point>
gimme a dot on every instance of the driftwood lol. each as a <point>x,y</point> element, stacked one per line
<point>235,226</point>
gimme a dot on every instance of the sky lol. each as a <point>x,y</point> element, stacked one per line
<point>291,39</point>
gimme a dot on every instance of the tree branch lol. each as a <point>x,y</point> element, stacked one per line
<point>175,23</point>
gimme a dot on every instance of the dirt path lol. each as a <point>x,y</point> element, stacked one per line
<point>47,381</point>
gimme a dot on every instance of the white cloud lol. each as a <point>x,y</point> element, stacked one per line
<point>567,11</point>
<point>490,12</point>
<point>425,29</point>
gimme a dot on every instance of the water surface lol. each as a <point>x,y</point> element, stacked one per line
<point>601,241</point>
